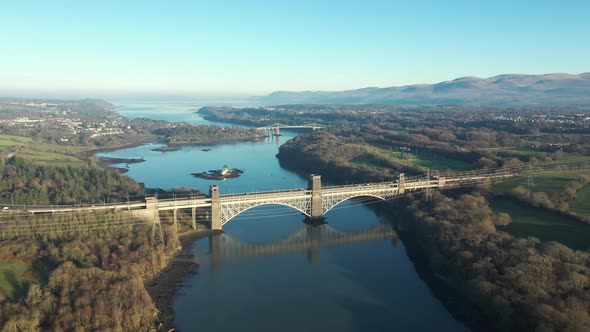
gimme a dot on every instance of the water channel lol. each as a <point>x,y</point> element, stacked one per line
<point>271,272</point>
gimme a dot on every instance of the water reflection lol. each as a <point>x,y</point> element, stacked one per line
<point>296,278</point>
<point>309,237</point>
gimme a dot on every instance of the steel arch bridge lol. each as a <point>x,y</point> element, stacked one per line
<point>313,201</point>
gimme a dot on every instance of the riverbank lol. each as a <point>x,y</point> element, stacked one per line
<point>109,163</point>
<point>216,141</point>
<point>133,143</point>
<point>488,278</point>
<point>163,286</point>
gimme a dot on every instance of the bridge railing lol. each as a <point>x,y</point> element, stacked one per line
<point>181,198</point>
<point>265,195</point>
<point>360,187</point>
<point>66,206</point>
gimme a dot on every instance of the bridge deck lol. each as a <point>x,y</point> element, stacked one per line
<point>270,196</point>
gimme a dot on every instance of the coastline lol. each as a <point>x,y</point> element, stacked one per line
<point>109,164</point>
<point>134,143</point>
<point>164,285</point>
<point>216,141</point>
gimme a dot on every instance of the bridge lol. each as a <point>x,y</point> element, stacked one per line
<point>313,202</point>
<point>274,129</point>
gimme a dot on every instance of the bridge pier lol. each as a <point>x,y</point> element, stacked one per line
<point>215,208</point>
<point>194,217</point>
<point>151,206</point>
<point>316,212</point>
<point>401,186</point>
<point>175,219</point>
<point>441,182</point>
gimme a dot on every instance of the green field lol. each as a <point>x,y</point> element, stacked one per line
<point>442,163</point>
<point>518,152</point>
<point>9,143</point>
<point>13,281</point>
<point>425,159</point>
<point>581,205</point>
<point>547,182</point>
<point>40,153</point>
<point>547,226</point>
<point>526,153</point>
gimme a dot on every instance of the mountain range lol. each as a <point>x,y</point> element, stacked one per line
<point>502,90</point>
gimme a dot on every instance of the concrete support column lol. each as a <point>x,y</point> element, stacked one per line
<point>176,219</point>
<point>151,206</point>
<point>194,215</point>
<point>315,185</point>
<point>215,208</point>
<point>441,181</point>
<point>401,184</point>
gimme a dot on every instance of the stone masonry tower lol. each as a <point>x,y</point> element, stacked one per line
<point>315,185</point>
<point>215,208</point>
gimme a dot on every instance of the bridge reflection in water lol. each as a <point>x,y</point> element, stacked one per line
<point>309,237</point>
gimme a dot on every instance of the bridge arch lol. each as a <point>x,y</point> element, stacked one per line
<point>230,211</point>
<point>328,203</point>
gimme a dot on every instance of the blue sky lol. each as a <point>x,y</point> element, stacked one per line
<point>256,47</point>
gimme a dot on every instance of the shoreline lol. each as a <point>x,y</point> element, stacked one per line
<point>216,141</point>
<point>163,286</point>
<point>137,142</point>
<point>108,163</point>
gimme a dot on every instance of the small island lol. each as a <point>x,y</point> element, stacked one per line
<point>167,148</point>
<point>219,174</point>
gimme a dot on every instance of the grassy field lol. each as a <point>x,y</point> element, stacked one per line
<point>40,153</point>
<point>548,182</point>
<point>547,226</point>
<point>518,152</point>
<point>15,277</point>
<point>425,159</point>
<point>581,205</point>
<point>526,152</point>
<point>442,163</point>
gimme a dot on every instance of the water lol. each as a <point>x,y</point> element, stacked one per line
<point>286,275</point>
<point>171,110</point>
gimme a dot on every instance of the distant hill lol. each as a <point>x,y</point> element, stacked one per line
<point>502,90</point>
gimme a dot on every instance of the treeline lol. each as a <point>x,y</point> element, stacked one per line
<point>90,280</point>
<point>503,283</point>
<point>187,133</point>
<point>513,284</point>
<point>25,183</point>
<point>87,269</point>
<point>557,202</point>
<point>335,156</point>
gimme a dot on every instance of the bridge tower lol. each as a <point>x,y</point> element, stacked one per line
<point>427,191</point>
<point>215,208</point>
<point>315,185</point>
<point>401,184</point>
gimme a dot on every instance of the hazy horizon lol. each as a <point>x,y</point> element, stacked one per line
<point>252,48</point>
<point>202,98</point>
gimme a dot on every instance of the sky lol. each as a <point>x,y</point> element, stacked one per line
<point>233,48</point>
